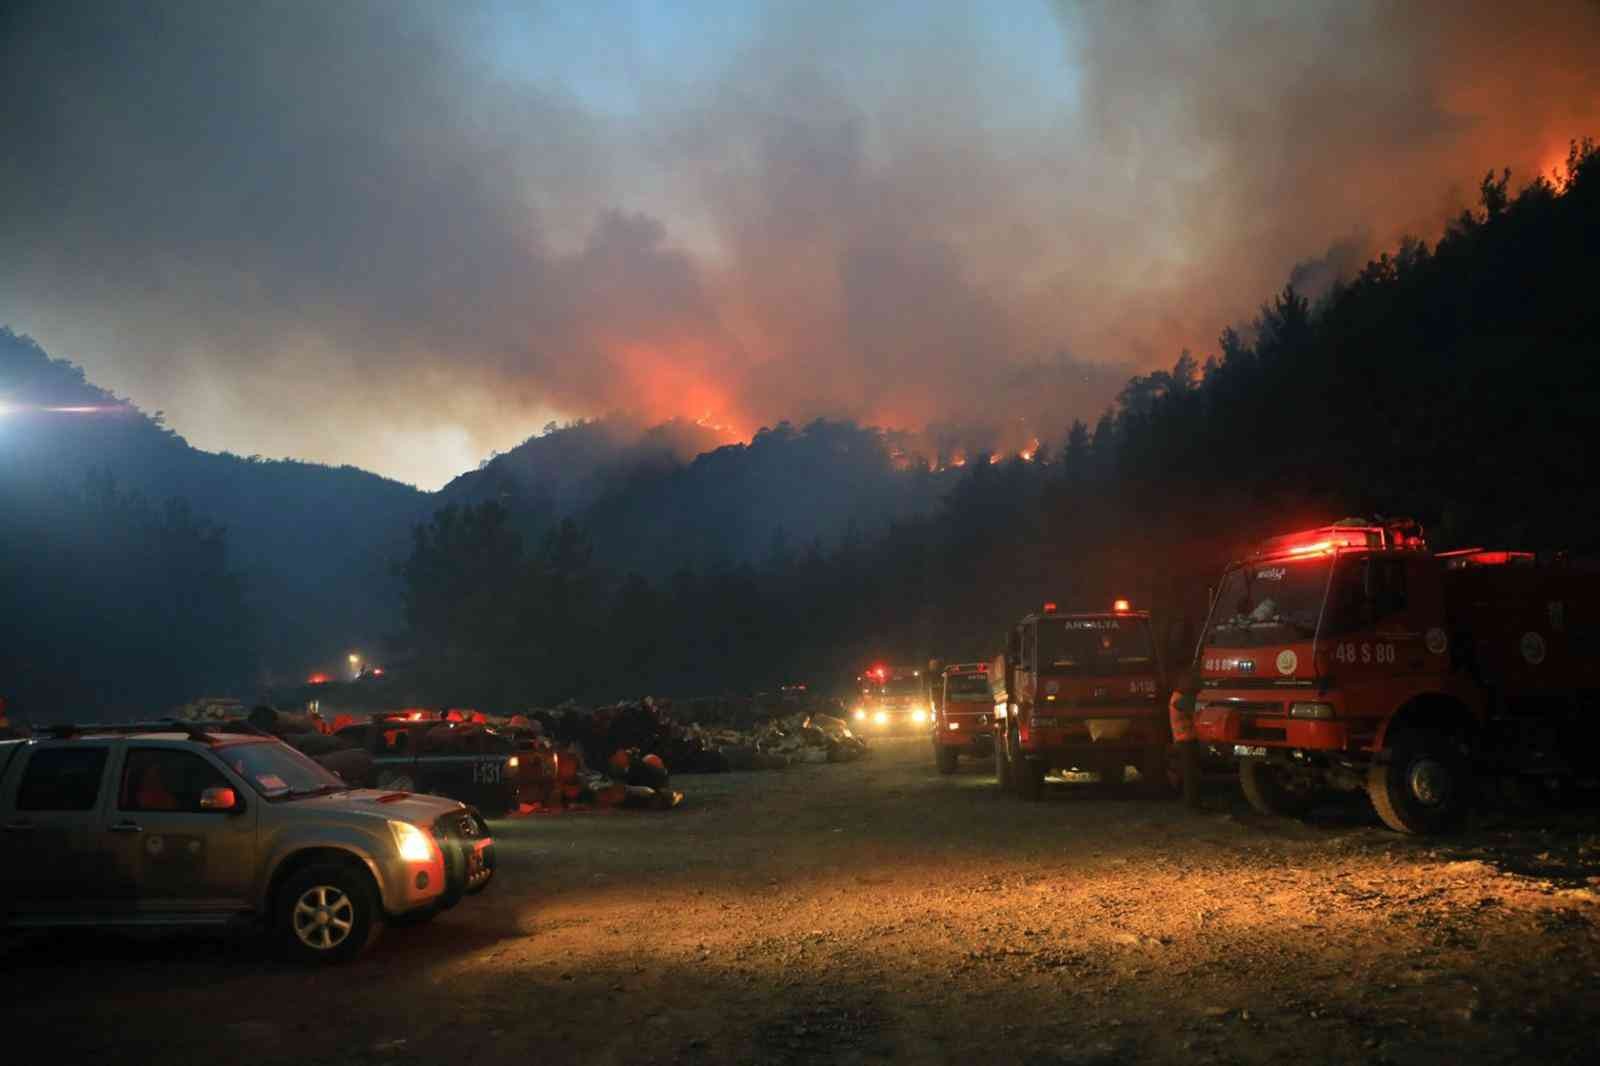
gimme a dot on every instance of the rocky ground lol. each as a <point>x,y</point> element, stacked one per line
<point>878,911</point>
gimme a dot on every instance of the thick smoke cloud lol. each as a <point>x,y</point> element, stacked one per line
<point>379,233</point>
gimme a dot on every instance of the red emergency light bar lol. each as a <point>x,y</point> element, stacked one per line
<point>1344,535</point>
<point>1466,557</point>
<point>1050,608</point>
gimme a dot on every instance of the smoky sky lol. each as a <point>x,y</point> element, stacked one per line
<point>402,234</point>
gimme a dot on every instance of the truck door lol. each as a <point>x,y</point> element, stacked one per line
<point>171,853</point>
<point>52,846</point>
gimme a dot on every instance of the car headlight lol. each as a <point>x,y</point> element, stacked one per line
<point>881,718</point>
<point>1311,710</point>
<point>413,844</point>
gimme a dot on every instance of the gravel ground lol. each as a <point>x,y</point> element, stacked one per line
<point>878,911</point>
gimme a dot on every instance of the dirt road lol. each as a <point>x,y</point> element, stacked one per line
<point>877,911</point>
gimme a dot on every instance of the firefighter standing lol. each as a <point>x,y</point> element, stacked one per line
<point>1180,710</point>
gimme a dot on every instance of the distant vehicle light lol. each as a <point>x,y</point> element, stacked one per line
<point>1121,605</point>
<point>881,718</point>
<point>860,715</point>
<point>513,762</point>
<point>919,716</point>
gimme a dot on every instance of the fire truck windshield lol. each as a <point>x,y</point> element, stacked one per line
<point>967,687</point>
<point>1095,646</point>
<point>1269,603</point>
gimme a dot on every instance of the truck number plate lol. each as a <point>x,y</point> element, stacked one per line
<point>1241,751</point>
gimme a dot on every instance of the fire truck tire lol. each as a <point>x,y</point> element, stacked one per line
<point>1030,779</point>
<point>1268,793</point>
<point>1189,766</point>
<point>947,759</point>
<point>1423,784</point>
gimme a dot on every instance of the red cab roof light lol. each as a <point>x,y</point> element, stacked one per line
<point>1350,533</point>
<point>1050,607</point>
<point>1460,560</point>
<point>1121,606</point>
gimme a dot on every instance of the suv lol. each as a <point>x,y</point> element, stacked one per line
<point>172,824</point>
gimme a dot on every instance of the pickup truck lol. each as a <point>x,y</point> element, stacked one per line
<point>466,762</point>
<point>174,825</point>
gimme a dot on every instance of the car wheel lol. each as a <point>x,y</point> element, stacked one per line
<point>947,758</point>
<point>327,913</point>
<point>395,781</point>
<point>1269,790</point>
<point>1422,783</point>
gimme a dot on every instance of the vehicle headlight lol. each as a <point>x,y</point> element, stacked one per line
<point>881,718</point>
<point>861,714</point>
<point>919,716</point>
<point>413,844</point>
<point>955,725</point>
<point>1311,710</point>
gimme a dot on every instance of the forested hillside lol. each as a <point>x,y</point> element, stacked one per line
<point>1452,381</point>
<point>88,491</point>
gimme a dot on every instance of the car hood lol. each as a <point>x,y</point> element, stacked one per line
<point>400,806</point>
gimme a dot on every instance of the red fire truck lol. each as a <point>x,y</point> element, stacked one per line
<point>1351,657</point>
<point>962,705</point>
<point>1080,691</point>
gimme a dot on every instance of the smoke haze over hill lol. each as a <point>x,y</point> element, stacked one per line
<point>393,236</point>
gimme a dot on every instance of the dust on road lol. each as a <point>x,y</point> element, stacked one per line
<point>879,911</point>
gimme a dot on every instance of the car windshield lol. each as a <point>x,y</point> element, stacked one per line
<point>967,687</point>
<point>277,771</point>
<point>1095,646</point>
<point>1269,603</point>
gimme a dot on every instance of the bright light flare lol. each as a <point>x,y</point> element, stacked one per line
<point>7,408</point>
<point>860,715</point>
<point>881,718</point>
<point>919,716</point>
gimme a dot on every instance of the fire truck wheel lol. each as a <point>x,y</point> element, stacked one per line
<point>1030,779</point>
<point>947,760</point>
<point>1423,785</point>
<point>1268,791</point>
<point>1189,764</point>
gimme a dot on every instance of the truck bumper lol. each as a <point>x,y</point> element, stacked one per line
<point>1226,728</point>
<point>975,742</point>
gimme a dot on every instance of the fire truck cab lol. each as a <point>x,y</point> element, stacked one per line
<point>1080,691</point>
<point>1351,657</point>
<point>962,705</point>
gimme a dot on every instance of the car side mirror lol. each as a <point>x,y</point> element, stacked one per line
<point>219,799</point>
